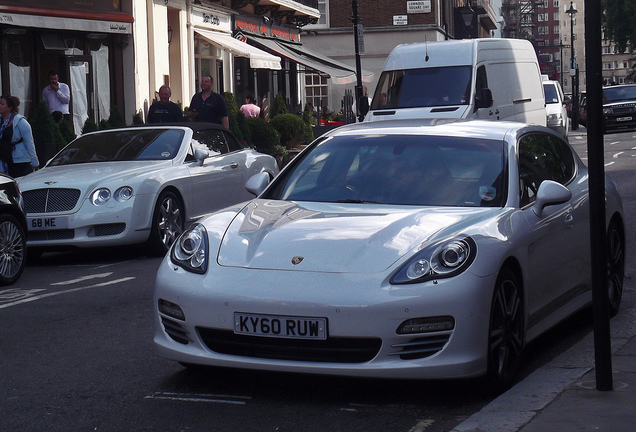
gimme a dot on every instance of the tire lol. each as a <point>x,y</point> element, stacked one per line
<point>505,332</point>
<point>12,249</point>
<point>615,267</point>
<point>167,223</point>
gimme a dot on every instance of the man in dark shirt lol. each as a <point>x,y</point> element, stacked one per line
<point>164,111</point>
<point>208,106</point>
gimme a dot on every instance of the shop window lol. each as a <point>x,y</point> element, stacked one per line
<point>18,49</point>
<point>323,21</point>
<point>316,89</point>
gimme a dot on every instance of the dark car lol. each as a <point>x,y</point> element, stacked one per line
<point>12,231</point>
<point>619,107</point>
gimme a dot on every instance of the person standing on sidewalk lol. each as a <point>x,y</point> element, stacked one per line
<point>16,139</point>
<point>208,106</point>
<point>57,95</point>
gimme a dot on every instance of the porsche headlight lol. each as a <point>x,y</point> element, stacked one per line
<point>441,260</point>
<point>124,193</point>
<point>100,196</point>
<point>190,251</point>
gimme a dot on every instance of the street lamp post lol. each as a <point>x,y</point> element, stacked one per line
<point>574,70</point>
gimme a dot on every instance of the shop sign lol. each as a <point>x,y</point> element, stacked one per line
<point>213,20</point>
<point>248,25</point>
<point>420,6</point>
<point>400,20</point>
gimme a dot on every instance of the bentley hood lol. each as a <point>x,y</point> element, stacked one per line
<point>330,237</point>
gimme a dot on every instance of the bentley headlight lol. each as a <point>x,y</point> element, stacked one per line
<point>607,110</point>
<point>190,251</point>
<point>100,197</point>
<point>438,261</point>
<point>124,193</point>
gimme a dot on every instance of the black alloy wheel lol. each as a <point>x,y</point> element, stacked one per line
<point>506,331</point>
<point>615,267</point>
<point>12,249</point>
<point>167,223</point>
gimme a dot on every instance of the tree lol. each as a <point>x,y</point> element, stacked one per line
<point>619,16</point>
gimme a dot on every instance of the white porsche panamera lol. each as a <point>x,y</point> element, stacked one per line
<point>137,184</point>
<point>392,249</point>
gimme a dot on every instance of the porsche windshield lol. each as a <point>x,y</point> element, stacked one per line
<point>398,169</point>
<point>121,145</point>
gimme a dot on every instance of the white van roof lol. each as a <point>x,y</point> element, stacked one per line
<point>457,52</point>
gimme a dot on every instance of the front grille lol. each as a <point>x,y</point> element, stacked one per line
<point>175,331</point>
<point>421,347</point>
<point>50,200</point>
<point>65,234</point>
<point>623,110</point>
<point>107,229</point>
<point>334,350</point>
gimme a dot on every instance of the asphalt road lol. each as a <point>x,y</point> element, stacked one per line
<point>76,354</point>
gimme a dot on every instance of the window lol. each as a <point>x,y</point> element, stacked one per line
<point>323,21</point>
<point>556,31</point>
<point>316,89</point>
<point>555,16</point>
<point>542,157</point>
<point>555,3</point>
<point>542,17</point>
<point>543,30</point>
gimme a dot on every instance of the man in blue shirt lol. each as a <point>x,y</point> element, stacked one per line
<point>164,111</point>
<point>208,106</point>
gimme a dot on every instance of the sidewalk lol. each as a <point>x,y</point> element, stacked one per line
<point>561,396</point>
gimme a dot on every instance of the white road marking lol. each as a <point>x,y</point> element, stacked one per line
<point>615,156</point>
<point>38,297</point>
<point>194,397</point>
<point>609,163</point>
<point>615,142</point>
<point>422,425</point>
<point>83,278</point>
<point>17,293</point>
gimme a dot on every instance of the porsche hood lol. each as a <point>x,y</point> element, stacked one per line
<point>329,237</point>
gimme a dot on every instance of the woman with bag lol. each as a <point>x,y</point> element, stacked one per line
<point>17,150</point>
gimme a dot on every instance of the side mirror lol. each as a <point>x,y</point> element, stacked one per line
<point>550,193</point>
<point>200,155</point>
<point>483,99</point>
<point>363,104</point>
<point>257,183</point>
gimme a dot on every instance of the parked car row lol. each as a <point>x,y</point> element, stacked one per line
<point>410,248</point>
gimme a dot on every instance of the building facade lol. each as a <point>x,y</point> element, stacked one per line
<point>86,43</point>
<point>386,24</point>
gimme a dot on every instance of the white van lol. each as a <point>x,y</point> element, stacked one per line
<point>490,79</point>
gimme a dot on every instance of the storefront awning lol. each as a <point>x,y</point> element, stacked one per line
<point>122,26</point>
<point>339,73</point>
<point>259,59</point>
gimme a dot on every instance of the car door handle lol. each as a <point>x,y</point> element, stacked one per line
<point>569,221</point>
<point>234,165</point>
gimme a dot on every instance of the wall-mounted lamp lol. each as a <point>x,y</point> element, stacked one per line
<point>169,34</point>
<point>467,15</point>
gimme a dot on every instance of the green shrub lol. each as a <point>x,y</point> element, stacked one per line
<point>137,118</point>
<point>280,106</point>
<point>291,129</point>
<point>265,137</point>
<point>89,126</point>
<point>116,119</point>
<point>42,124</point>
<point>232,113</point>
<point>103,124</point>
<point>66,134</point>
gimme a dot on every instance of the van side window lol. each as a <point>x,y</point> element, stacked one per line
<point>481,81</point>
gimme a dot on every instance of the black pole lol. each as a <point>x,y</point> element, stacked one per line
<point>575,76</point>
<point>596,169</point>
<point>356,21</point>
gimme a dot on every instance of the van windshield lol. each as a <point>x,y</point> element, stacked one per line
<point>425,87</point>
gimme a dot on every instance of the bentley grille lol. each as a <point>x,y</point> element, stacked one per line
<point>50,200</point>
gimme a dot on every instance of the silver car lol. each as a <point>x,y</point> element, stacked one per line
<point>396,249</point>
<point>136,185</point>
